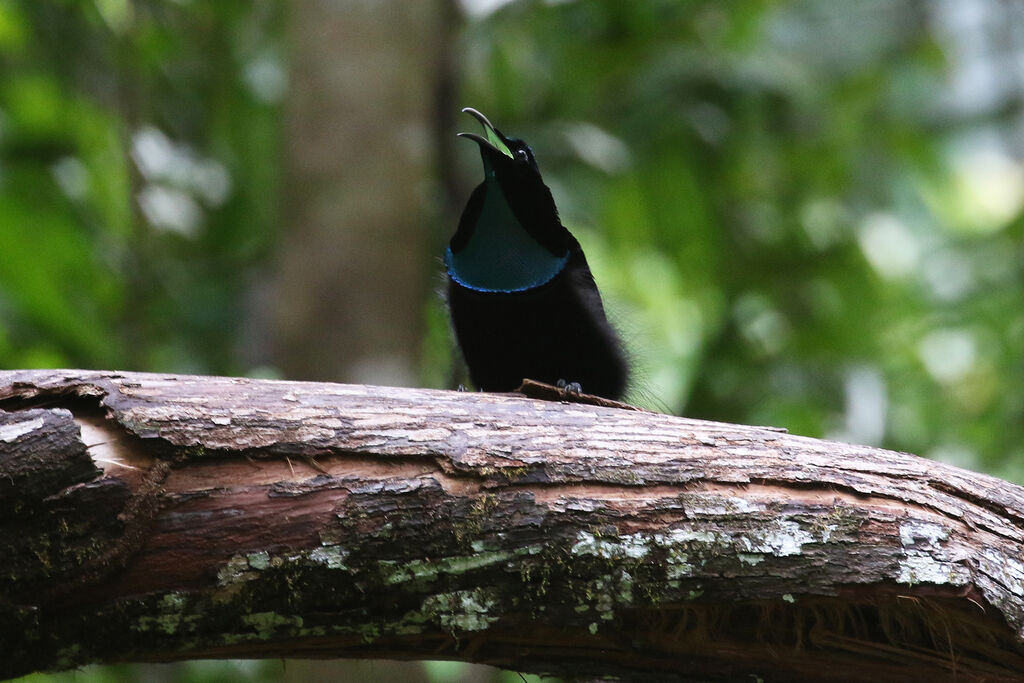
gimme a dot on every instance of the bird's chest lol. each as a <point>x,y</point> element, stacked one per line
<point>501,256</point>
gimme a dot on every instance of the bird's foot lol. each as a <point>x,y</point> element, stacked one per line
<point>573,388</point>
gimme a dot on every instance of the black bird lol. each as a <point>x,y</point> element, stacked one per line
<point>522,299</point>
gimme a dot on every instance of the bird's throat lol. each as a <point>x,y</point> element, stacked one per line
<point>501,256</point>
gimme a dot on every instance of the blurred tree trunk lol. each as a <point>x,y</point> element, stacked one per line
<point>348,296</point>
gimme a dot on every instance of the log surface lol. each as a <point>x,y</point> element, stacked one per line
<point>159,517</point>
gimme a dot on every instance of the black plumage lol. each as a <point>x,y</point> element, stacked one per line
<point>523,301</point>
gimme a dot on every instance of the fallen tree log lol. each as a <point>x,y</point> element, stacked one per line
<point>150,517</point>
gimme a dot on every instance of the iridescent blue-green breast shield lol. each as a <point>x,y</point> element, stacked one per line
<point>501,256</point>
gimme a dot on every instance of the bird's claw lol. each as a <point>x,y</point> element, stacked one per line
<point>572,388</point>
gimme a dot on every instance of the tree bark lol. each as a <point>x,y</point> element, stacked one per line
<point>158,517</point>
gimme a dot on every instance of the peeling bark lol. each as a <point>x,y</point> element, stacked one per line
<point>159,517</point>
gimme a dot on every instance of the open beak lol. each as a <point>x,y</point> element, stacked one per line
<point>494,139</point>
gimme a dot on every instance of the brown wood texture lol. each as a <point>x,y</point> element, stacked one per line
<point>158,517</point>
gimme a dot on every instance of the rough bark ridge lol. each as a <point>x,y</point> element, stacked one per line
<point>157,517</point>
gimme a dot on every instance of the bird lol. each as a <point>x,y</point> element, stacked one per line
<point>522,300</point>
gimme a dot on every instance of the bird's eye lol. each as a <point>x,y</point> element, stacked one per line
<point>523,154</point>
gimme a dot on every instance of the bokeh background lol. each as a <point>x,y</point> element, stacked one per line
<point>802,213</point>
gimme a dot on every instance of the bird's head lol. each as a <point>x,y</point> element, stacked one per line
<point>510,237</point>
<point>501,155</point>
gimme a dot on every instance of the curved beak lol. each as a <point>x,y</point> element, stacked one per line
<point>494,139</point>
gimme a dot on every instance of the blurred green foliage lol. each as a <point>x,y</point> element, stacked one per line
<point>138,148</point>
<point>802,213</point>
